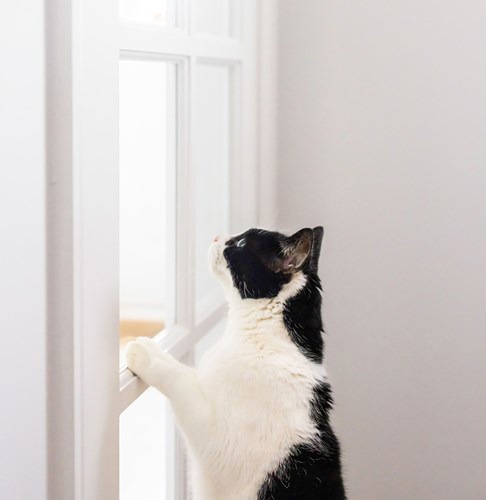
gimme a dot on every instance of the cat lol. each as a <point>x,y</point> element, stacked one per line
<point>255,414</point>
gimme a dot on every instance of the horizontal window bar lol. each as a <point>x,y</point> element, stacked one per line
<point>176,341</point>
<point>139,38</point>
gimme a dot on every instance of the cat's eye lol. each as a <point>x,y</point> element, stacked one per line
<point>241,243</point>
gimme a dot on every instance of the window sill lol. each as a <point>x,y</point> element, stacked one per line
<point>176,341</point>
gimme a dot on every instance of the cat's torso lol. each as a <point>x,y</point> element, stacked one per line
<point>261,387</point>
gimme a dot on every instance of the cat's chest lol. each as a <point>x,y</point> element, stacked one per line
<point>252,377</point>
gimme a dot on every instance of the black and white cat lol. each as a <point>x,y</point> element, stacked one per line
<point>255,414</point>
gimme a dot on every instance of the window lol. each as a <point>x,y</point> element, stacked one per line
<point>157,121</point>
<point>211,167</point>
<point>144,427</point>
<point>147,163</point>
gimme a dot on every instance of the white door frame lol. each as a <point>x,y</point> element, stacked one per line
<point>85,390</point>
<point>82,41</point>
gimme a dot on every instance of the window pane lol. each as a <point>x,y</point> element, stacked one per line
<point>213,17</point>
<point>147,146</point>
<point>211,162</point>
<point>148,11</point>
<point>144,448</point>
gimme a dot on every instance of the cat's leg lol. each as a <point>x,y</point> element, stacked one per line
<point>178,382</point>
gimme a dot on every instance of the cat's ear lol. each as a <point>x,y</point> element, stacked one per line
<point>318,233</point>
<point>296,250</point>
<point>302,247</point>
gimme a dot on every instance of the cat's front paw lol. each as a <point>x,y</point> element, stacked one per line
<point>140,354</point>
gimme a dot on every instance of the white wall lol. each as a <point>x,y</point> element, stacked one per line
<point>22,254</point>
<point>383,141</point>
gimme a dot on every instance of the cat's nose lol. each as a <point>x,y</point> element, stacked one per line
<point>216,238</point>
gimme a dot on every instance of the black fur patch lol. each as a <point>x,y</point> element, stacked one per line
<point>302,317</point>
<point>311,471</point>
<point>252,265</point>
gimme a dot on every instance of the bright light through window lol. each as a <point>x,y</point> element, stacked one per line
<point>211,173</point>
<point>144,448</point>
<point>147,125</point>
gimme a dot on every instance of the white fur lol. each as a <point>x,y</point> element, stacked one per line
<point>249,401</point>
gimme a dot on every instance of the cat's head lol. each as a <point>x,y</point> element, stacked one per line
<point>259,264</point>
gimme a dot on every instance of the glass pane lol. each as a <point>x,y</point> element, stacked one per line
<point>147,11</point>
<point>211,162</point>
<point>208,340</point>
<point>213,17</point>
<point>147,146</point>
<point>144,448</point>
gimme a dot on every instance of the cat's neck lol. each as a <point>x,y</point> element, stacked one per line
<point>295,316</point>
<point>247,310</point>
<point>251,315</point>
<point>302,318</point>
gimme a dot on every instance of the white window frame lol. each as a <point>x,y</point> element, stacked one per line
<point>86,392</point>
